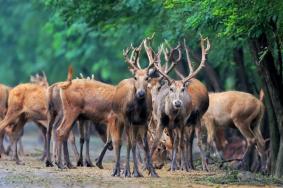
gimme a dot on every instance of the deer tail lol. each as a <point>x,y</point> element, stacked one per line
<point>69,78</point>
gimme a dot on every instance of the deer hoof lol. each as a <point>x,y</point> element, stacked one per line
<point>49,164</point>
<point>89,163</point>
<point>80,163</point>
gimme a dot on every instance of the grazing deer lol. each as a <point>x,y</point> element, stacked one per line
<point>26,102</point>
<point>173,105</point>
<point>237,110</point>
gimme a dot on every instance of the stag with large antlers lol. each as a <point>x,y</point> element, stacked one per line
<point>93,100</point>
<point>173,103</point>
<point>200,102</point>
<point>135,110</point>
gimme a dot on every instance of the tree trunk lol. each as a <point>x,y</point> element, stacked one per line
<point>270,74</point>
<point>243,81</point>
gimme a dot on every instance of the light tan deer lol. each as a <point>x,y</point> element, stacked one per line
<point>237,110</point>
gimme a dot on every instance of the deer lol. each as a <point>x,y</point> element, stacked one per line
<point>124,101</point>
<point>4,94</point>
<point>27,102</point>
<point>242,111</point>
<point>176,105</point>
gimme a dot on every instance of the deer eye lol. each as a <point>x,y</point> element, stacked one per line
<point>146,78</point>
<point>171,89</point>
<point>135,78</point>
<point>183,89</point>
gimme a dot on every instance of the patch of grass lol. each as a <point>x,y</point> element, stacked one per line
<point>240,178</point>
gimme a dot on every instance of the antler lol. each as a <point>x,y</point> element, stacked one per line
<point>170,57</point>
<point>133,61</point>
<point>203,58</point>
<point>150,53</point>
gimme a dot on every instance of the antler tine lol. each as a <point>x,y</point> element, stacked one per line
<point>137,51</point>
<point>157,57</point>
<point>188,58</point>
<point>203,58</point>
<point>163,74</point>
<point>32,78</point>
<point>127,60</point>
<point>44,75</point>
<point>82,76</point>
<point>174,62</point>
<point>166,57</point>
<point>149,51</point>
<point>179,74</point>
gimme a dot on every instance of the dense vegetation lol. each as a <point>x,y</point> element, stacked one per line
<point>246,38</point>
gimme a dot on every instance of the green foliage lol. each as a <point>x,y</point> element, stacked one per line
<point>51,34</point>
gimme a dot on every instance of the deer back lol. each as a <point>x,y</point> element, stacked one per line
<point>90,97</point>
<point>200,99</point>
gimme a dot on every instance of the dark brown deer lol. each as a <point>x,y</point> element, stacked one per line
<point>173,106</point>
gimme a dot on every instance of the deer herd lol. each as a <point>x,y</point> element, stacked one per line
<point>158,114</point>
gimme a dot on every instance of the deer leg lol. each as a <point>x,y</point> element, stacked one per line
<point>21,147</point>
<point>82,140</point>
<point>15,154</point>
<point>189,155</point>
<point>127,172</point>
<point>183,149</point>
<point>87,136</point>
<point>54,122</point>
<point>72,141</point>
<point>66,155</point>
<point>110,129</point>
<point>204,159</point>
<point>116,135</point>
<point>149,165</point>
<point>9,119</point>
<point>62,132</point>
<point>2,149</point>
<point>173,166</point>
<point>248,134</point>
<point>100,158</point>
<point>158,135</point>
<point>139,157</point>
<point>44,133</point>
<point>134,147</point>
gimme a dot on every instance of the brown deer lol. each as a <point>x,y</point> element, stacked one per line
<point>4,94</point>
<point>26,102</point>
<point>173,105</point>
<point>15,132</point>
<point>242,111</point>
<point>128,100</point>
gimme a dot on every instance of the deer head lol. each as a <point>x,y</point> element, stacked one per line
<point>177,93</point>
<point>141,75</point>
<point>39,79</point>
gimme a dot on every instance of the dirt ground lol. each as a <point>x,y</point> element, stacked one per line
<point>35,174</point>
